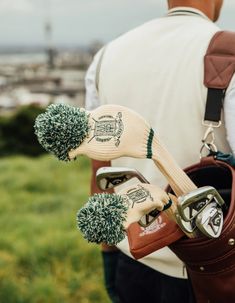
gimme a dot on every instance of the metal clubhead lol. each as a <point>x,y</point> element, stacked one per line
<point>187,227</point>
<point>193,203</point>
<point>110,177</point>
<point>210,220</point>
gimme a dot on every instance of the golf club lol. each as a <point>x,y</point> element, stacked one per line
<point>109,177</point>
<point>210,220</point>
<point>192,203</point>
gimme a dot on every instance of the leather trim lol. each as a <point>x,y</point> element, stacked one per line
<point>219,61</point>
<point>161,233</point>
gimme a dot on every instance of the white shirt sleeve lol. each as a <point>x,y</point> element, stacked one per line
<point>92,99</point>
<point>229,114</point>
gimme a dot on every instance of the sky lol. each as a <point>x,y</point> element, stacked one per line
<point>81,22</point>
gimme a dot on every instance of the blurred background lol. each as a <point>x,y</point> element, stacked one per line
<point>46,47</point>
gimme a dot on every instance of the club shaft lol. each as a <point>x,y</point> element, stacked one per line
<point>177,178</point>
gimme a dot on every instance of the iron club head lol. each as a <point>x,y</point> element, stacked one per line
<point>109,177</point>
<point>192,203</point>
<point>210,220</point>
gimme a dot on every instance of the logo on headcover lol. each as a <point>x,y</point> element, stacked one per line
<point>108,127</point>
<point>137,194</point>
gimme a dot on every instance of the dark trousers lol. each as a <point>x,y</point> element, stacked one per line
<point>137,283</point>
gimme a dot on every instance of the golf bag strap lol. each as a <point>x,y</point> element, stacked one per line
<point>219,68</point>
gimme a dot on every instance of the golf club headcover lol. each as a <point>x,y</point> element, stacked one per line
<point>106,217</point>
<point>162,232</point>
<point>106,133</point>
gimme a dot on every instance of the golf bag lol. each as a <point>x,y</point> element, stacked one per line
<point>211,262</point>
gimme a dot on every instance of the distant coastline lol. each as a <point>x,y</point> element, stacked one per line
<point>28,49</point>
<point>15,58</point>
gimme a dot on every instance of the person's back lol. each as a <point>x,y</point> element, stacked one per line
<point>157,70</point>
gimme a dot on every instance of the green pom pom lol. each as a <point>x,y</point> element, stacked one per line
<point>61,128</point>
<point>102,217</point>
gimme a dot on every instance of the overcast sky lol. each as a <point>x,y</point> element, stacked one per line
<point>79,22</point>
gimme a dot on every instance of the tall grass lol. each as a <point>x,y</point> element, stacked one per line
<point>43,258</point>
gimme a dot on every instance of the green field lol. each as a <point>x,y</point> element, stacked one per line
<point>43,258</point>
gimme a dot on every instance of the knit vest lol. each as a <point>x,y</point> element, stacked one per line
<point>157,70</point>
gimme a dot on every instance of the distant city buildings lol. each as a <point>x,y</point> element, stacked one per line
<point>31,79</point>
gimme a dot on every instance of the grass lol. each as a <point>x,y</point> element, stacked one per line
<point>43,257</point>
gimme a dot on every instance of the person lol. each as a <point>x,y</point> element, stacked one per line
<point>157,70</point>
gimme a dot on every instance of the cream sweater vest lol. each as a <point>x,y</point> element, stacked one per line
<point>157,70</point>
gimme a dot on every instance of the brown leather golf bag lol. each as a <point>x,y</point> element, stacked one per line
<point>211,262</point>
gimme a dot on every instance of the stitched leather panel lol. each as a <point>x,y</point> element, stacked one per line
<point>219,61</point>
<point>162,232</point>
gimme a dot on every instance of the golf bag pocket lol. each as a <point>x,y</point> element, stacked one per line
<point>214,281</point>
<point>145,240</point>
<point>211,262</point>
